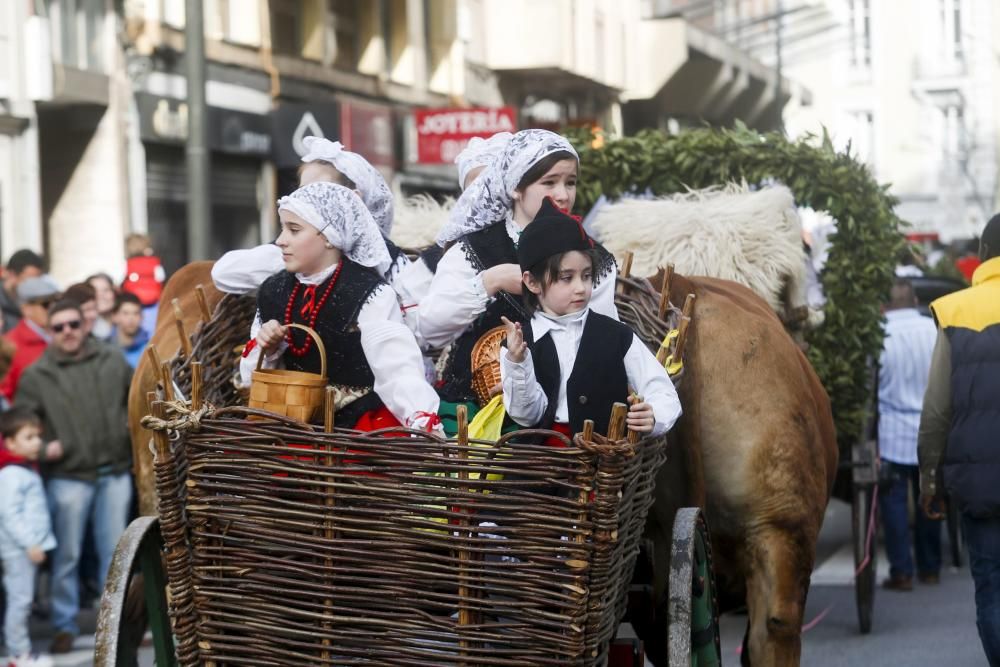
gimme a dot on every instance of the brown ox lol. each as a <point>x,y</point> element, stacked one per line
<point>756,448</point>
<point>166,339</point>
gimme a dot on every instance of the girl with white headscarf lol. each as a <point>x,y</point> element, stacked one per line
<point>478,280</point>
<point>415,279</point>
<point>334,258</point>
<point>242,271</point>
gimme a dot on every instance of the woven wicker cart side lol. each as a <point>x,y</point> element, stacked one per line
<point>305,547</point>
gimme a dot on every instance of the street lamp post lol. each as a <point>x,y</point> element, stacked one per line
<point>199,212</point>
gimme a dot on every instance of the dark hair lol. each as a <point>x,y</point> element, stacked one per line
<point>65,304</point>
<point>542,167</point>
<point>124,298</point>
<point>81,293</point>
<point>546,272</point>
<point>22,259</point>
<point>342,178</point>
<point>989,242</point>
<point>100,276</point>
<point>7,352</point>
<point>15,419</point>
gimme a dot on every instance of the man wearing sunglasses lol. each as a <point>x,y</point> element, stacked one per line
<point>79,389</point>
<point>30,335</point>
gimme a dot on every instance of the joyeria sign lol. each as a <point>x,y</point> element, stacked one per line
<point>443,133</point>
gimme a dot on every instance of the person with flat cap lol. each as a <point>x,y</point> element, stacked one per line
<point>959,440</point>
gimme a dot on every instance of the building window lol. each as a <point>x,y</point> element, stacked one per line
<point>286,29</point>
<point>236,21</point>
<point>859,132</point>
<point>860,28</point>
<point>78,35</point>
<point>950,22</point>
<point>345,16</point>
<point>953,130</point>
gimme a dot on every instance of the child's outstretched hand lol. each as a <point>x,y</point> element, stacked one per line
<point>517,349</point>
<point>640,415</point>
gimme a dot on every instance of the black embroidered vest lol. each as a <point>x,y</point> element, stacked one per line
<point>337,326</point>
<point>598,380</point>
<point>484,249</point>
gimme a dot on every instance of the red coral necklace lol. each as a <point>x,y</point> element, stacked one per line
<point>309,311</point>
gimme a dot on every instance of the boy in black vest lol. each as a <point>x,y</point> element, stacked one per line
<point>569,364</point>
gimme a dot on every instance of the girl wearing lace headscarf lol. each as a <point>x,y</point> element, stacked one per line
<point>334,258</point>
<point>242,271</point>
<point>478,281</point>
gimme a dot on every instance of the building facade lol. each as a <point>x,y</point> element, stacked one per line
<point>94,105</point>
<point>918,105</point>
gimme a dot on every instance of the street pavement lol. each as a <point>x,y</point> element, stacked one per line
<point>933,625</point>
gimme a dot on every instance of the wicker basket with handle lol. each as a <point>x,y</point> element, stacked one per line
<point>295,394</point>
<point>486,363</point>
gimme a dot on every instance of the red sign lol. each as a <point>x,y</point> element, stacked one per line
<point>443,133</point>
<point>367,129</point>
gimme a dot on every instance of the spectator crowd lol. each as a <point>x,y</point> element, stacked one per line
<point>66,488</point>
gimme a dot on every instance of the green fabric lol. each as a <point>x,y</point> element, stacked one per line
<point>448,412</point>
<point>83,403</point>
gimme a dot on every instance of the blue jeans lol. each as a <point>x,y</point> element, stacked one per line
<point>895,513</point>
<point>73,503</point>
<point>19,586</point>
<point>982,540</point>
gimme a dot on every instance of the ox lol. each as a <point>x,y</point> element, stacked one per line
<point>756,449</point>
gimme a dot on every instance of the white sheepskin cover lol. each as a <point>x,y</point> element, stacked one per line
<point>751,237</point>
<point>417,220</point>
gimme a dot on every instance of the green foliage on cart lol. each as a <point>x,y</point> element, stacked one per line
<point>861,264</point>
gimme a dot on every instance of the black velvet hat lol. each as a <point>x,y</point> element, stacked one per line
<point>552,232</point>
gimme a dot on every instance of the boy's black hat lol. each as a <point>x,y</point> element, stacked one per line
<point>553,231</point>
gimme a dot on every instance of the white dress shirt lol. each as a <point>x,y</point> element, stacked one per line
<point>457,296</point>
<point>392,354</point>
<point>525,400</point>
<point>904,368</point>
<point>243,271</point>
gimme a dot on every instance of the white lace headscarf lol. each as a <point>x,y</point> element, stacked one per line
<point>342,218</point>
<point>490,198</point>
<point>480,152</point>
<point>369,181</point>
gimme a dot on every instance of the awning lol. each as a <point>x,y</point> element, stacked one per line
<point>682,71</point>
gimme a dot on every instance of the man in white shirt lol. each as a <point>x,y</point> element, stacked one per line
<point>903,371</point>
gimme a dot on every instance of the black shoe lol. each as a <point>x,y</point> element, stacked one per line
<point>898,583</point>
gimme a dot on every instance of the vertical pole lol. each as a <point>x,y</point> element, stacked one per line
<point>464,613</point>
<point>199,171</point>
<point>780,12</point>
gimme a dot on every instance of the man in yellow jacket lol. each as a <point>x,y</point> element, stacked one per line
<point>959,440</point>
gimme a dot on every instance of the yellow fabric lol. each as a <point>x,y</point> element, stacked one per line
<point>672,367</point>
<point>487,425</point>
<point>975,307</point>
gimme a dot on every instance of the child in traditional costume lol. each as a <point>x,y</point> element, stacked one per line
<point>334,259</point>
<point>242,271</point>
<point>478,281</point>
<point>569,363</point>
<point>415,280</point>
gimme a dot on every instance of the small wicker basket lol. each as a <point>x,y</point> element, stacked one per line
<point>295,394</point>
<point>486,363</point>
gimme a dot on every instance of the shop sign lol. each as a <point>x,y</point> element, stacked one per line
<point>367,128</point>
<point>165,120</point>
<point>293,122</point>
<point>443,133</point>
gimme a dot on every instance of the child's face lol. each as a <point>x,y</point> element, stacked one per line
<point>303,247</point>
<point>571,288</point>
<point>559,182</point>
<point>26,443</point>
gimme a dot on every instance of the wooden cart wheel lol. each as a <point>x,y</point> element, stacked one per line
<point>863,538</point>
<point>693,630</point>
<point>122,619</point>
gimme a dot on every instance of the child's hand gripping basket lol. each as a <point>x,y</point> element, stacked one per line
<point>399,547</point>
<point>294,394</point>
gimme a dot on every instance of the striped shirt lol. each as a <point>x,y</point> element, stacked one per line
<point>903,371</point>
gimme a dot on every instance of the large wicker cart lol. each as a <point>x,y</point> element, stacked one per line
<point>283,543</point>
